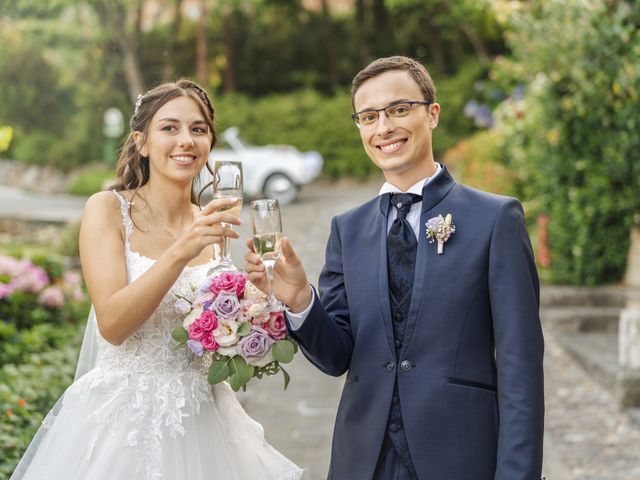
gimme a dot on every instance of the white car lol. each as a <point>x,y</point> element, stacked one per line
<point>273,171</point>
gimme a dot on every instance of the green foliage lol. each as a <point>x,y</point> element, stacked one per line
<point>28,391</point>
<point>478,161</point>
<point>305,119</point>
<point>90,181</point>
<point>38,349</point>
<point>573,138</point>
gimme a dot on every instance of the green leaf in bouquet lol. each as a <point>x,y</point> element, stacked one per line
<point>218,371</point>
<point>244,330</point>
<point>283,351</point>
<point>240,373</point>
<point>286,376</point>
<point>180,335</point>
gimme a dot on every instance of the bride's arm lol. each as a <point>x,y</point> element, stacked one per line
<point>122,308</point>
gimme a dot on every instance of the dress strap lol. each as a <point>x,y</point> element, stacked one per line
<point>125,205</point>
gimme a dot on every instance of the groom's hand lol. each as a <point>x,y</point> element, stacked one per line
<point>290,284</point>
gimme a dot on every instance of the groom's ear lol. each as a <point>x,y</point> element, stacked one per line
<point>434,115</point>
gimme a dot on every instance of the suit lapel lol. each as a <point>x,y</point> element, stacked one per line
<point>432,195</point>
<point>383,274</point>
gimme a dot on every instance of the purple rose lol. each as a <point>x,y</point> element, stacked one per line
<point>255,346</point>
<point>432,223</point>
<point>226,305</point>
<point>196,347</point>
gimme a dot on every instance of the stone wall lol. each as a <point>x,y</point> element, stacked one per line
<point>35,178</point>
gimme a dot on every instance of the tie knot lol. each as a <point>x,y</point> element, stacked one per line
<point>403,202</point>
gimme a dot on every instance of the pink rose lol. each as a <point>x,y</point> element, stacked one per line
<point>196,331</point>
<point>276,327</point>
<point>229,282</point>
<point>208,321</point>
<point>209,342</point>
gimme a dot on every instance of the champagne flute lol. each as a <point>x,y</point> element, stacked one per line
<point>227,183</point>
<point>266,226</point>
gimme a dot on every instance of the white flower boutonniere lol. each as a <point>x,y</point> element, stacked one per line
<point>440,229</point>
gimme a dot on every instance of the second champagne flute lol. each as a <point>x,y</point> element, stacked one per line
<point>227,183</point>
<point>266,226</point>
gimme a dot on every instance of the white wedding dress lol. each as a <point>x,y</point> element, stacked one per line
<point>143,411</point>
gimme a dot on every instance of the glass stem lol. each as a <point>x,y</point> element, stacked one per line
<point>226,248</point>
<point>269,268</point>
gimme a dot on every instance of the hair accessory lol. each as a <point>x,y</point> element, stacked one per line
<point>139,102</point>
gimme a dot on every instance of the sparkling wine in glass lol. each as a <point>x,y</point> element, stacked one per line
<point>227,183</point>
<point>266,227</point>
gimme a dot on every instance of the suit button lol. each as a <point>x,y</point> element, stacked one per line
<point>396,400</point>
<point>398,344</point>
<point>406,365</point>
<point>389,366</point>
<point>394,427</point>
<point>398,317</point>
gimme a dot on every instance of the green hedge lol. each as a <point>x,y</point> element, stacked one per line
<point>573,138</point>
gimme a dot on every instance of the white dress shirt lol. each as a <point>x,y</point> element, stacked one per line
<point>413,217</point>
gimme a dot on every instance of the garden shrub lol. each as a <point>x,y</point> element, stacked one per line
<point>42,314</point>
<point>573,137</point>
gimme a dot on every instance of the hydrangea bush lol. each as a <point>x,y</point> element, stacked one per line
<point>42,313</point>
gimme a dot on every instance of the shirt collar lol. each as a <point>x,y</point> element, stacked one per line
<point>416,188</point>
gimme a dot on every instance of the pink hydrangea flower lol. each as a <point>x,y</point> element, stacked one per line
<point>51,297</point>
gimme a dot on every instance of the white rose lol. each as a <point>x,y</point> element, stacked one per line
<point>225,334</point>
<point>192,317</point>
<point>256,310</point>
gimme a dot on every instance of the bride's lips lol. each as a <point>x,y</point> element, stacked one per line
<point>184,158</point>
<point>392,146</point>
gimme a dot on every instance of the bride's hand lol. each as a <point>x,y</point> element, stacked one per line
<point>207,228</point>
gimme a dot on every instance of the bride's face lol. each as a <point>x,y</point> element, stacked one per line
<point>178,141</point>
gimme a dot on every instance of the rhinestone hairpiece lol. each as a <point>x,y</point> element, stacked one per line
<point>139,102</point>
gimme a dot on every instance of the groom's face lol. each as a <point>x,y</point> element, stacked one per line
<point>399,146</point>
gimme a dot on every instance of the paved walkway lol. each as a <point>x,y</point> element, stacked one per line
<point>586,437</point>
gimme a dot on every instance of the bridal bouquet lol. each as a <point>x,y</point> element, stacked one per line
<point>227,319</point>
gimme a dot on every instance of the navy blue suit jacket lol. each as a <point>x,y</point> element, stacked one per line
<point>471,388</point>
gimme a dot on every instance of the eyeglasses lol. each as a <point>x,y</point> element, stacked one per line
<point>367,118</point>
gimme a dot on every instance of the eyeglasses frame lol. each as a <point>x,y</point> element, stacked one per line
<point>384,109</point>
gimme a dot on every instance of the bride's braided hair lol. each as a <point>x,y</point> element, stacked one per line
<point>132,169</point>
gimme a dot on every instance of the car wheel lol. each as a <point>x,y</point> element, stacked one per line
<point>280,187</point>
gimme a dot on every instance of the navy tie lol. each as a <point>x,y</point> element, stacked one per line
<point>401,251</point>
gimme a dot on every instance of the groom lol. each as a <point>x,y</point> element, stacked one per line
<point>429,302</point>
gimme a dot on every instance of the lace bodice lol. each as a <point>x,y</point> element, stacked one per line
<point>146,386</point>
<point>150,349</point>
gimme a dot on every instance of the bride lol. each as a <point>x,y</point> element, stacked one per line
<point>137,409</point>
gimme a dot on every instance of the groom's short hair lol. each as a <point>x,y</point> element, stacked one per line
<point>417,71</point>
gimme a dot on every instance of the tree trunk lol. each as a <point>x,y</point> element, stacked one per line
<point>382,39</point>
<point>169,69</point>
<point>361,34</point>
<point>330,45</point>
<point>202,71</point>
<point>228,46</point>
<point>476,43</point>
<point>123,28</point>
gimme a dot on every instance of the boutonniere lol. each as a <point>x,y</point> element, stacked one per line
<point>440,229</point>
